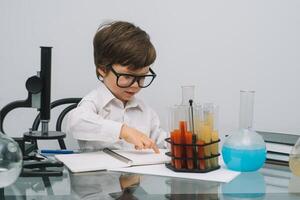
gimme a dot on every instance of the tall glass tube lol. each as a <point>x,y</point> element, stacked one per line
<point>187,94</point>
<point>246,109</point>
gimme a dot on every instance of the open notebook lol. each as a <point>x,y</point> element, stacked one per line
<point>108,159</point>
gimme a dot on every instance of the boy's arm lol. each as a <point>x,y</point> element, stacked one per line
<point>85,124</point>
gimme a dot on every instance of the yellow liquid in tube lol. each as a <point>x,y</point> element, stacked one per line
<point>205,135</point>
<point>215,148</point>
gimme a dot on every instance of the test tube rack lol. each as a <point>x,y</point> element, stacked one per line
<point>195,163</point>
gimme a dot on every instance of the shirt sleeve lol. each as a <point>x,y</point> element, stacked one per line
<point>84,123</point>
<point>157,133</point>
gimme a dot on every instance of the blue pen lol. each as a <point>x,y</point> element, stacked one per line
<point>59,151</point>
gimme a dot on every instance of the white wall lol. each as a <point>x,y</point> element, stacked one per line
<point>219,46</point>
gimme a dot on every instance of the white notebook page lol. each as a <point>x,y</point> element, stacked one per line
<point>145,157</point>
<point>93,161</point>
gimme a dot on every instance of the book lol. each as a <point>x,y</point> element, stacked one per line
<point>279,138</point>
<point>279,146</point>
<point>110,159</point>
<point>277,157</point>
<point>278,153</point>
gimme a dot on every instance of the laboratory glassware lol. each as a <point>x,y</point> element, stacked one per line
<point>294,159</point>
<point>191,136</point>
<point>11,160</point>
<point>244,149</point>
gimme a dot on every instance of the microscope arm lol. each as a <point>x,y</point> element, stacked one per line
<point>13,105</point>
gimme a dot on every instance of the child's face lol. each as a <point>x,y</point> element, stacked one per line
<point>110,80</point>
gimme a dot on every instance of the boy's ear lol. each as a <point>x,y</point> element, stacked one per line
<point>101,71</point>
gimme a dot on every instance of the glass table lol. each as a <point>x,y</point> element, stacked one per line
<point>270,182</point>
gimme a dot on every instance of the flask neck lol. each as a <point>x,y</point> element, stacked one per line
<point>246,109</point>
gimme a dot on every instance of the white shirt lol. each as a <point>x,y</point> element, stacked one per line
<point>96,122</point>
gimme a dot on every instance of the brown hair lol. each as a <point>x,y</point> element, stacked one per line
<point>122,43</point>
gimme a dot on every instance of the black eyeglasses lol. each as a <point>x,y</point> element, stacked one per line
<point>126,80</point>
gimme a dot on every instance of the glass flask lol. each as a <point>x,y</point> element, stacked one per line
<point>244,150</point>
<point>294,159</point>
<point>11,161</point>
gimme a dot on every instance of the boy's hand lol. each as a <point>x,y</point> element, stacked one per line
<point>140,140</point>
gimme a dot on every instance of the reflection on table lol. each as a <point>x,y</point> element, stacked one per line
<point>105,186</point>
<point>271,182</point>
<point>248,185</point>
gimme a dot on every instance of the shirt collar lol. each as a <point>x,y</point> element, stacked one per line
<point>108,97</point>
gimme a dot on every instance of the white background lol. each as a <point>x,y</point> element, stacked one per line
<point>218,46</point>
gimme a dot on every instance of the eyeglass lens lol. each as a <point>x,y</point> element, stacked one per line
<point>126,80</point>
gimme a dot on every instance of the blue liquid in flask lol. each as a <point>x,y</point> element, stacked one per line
<point>244,160</point>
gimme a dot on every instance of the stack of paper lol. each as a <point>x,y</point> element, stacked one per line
<point>279,146</point>
<point>279,152</point>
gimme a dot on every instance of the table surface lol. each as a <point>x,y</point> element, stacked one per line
<point>270,182</point>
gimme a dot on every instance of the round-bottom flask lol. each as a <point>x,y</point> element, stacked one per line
<point>10,161</point>
<point>245,150</point>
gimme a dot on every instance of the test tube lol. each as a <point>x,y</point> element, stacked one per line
<point>179,127</point>
<point>175,137</point>
<point>215,136</point>
<point>206,131</point>
<point>198,123</point>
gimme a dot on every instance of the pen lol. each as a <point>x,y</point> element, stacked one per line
<point>59,151</point>
<point>118,156</point>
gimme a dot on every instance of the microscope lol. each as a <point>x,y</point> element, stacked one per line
<point>39,95</point>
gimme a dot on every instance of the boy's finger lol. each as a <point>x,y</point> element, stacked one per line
<point>155,148</point>
<point>140,145</point>
<point>137,147</point>
<point>147,144</point>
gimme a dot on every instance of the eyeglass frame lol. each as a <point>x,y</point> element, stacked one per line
<point>136,78</point>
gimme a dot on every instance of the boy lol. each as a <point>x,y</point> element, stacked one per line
<point>111,115</point>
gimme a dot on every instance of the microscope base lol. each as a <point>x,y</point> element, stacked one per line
<point>50,135</point>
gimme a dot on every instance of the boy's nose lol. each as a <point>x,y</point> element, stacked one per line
<point>135,84</point>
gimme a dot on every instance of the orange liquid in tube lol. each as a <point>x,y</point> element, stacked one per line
<point>189,150</point>
<point>183,131</point>
<point>172,134</point>
<point>177,149</point>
